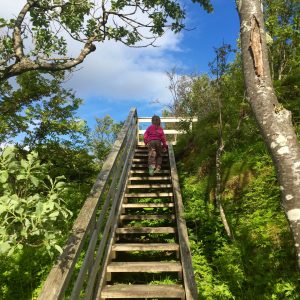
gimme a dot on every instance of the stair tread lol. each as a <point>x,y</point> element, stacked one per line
<point>147,217</point>
<point>145,159</point>
<point>146,205</point>
<point>146,172</point>
<point>124,230</point>
<point>145,247</point>
<point>145,165</point>
<point>144,266</point>
<point>148,195</point>
<point>152,178</point>
<point>143,291</point>
<point>145,155</point>
<point>148,185</point>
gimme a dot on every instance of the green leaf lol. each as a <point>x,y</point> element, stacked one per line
<point>58,248</point>
<point>4,247</point>
<point>34,180</point>
<point>21,177</point>
<point>54,214</point>
<point>39,209</point>
<point>24,163</point>
<point>8,151</point>
<point>3,176</point>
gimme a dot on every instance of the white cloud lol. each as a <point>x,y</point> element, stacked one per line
<point>116,72</point>
<point>10,8</point>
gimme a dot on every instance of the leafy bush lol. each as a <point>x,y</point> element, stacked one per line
<point>32,210</point>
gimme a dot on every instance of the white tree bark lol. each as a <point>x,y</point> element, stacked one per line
<point>275,122</point>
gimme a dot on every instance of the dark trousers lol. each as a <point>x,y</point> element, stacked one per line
<point>155,153</point>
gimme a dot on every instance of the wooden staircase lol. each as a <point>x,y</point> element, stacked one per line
<point>129,240</point>
<point>145,251</point>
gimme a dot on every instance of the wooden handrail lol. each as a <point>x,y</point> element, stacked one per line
<point>102,196</point>
<point>186,259</point>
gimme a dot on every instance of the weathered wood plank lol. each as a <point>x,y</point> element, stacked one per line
<point>186,259</point>
<point>145,165</point>
<point>148,186</point>
<point>147,267</point>
<point>88,262</point>
<point>123,291</point>
<point>150,178</point>
<point>133,230</point>
<point>146,172</point>
<point>146,247</point>
<point>147,205</point>
<point>111,225</point>
<point>144,153</point>
<point>147,217</point>
<point>148,195</point>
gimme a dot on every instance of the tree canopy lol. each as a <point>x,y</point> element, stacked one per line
<point>39,37</point>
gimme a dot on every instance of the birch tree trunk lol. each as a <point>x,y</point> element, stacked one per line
<point>275,122</point>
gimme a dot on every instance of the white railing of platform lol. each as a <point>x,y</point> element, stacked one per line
<point>172,132</point>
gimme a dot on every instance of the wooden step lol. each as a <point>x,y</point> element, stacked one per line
<point>147,217</point>
<point>145,267</point>
<point>151,178</point>
<point>147,205</point>
<point>148,186</point>
<point>145,160</point>
<point>146,247</point>
<point>142,291</point>
<point>148,195</point>
<point>141,152</point>
<point>147,172</point>
<point>129,230</point>
<point>144,157</point>
<point>138,149</point>
<point>145,165</point>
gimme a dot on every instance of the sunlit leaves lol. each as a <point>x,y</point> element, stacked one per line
<point>47,24</point>
<point>103,136</point>
<point>31,204</point>
<point>41,109</point>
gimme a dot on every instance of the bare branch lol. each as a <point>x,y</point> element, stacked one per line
<point>17,39</point>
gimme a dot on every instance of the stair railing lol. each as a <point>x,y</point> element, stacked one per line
<point>75,273</point>
<point>185,253</point>
<point>171,131</point>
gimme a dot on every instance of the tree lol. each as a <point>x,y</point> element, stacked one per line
<point>283,35</point>
<point>218,68</point>
<point>103,136</point>
<point>44,25</point>
<point>274,121</point>
<point>40,110</point>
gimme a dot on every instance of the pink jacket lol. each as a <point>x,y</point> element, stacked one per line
<point>155,133</point>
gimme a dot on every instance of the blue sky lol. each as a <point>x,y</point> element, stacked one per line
<point>115,78</point>
<point>189,52</point>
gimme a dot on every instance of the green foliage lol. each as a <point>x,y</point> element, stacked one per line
<point>24,269</point>
<point>39,109</point>
<point>259,263</point>
<point>32,208</point>
<point>282,24</point>
<point>103,136</point>
<point>129,22</point>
